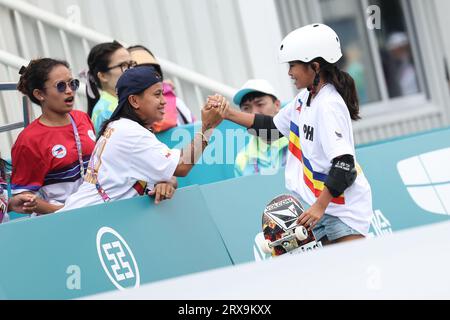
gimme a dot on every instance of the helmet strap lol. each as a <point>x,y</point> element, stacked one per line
<point>313,88</point>
<point>316,80</point>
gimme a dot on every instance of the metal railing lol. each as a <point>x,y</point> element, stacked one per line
<point>25,109</point>
<point>21,8</point>
<point>15,62</point>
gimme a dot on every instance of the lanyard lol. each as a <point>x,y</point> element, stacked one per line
<point>78,143</point>
<point>99,188</point>
<point>102,193</point>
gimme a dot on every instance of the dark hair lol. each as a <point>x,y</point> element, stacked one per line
<point>4,168</point>
<point>343,83</point>
<point>98,61</point>
<point>249,97</point>
<point>127,112</point>
<point>155,65</point>
<point>35,75</point>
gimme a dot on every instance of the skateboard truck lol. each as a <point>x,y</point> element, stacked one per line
<point>281,232</point>
<point>300,234</point>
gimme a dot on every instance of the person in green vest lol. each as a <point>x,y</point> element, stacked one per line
<point>257,96</point>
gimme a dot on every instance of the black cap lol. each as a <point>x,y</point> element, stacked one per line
<point>135,81</point>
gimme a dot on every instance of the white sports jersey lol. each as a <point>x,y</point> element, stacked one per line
<point>318,134</point>
<point>126,158</point>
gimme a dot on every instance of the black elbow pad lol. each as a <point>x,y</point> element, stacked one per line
<point>342,175</point>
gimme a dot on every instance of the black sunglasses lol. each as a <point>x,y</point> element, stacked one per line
<point>124,66</point>
<point>61,86</point>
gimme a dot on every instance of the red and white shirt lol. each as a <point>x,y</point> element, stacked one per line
<point>45,159</point>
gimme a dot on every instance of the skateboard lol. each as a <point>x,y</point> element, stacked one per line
<point>282,234</point>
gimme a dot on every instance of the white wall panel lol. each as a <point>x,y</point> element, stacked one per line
<point>230,41</point>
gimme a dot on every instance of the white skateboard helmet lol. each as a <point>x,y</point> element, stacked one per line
<point>310,42</point>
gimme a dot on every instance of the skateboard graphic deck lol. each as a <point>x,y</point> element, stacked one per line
<point>281,232</point>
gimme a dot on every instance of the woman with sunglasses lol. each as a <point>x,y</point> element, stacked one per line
<point>50,156</point>
<point>107,62</point>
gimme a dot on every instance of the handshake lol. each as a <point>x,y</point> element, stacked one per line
<point>215,111</point>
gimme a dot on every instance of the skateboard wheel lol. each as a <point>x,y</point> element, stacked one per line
<point>301,233</point>
<point>265,247</point>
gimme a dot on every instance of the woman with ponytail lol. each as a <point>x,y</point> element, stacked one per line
<point>106,62</point>
<point>321,166</point>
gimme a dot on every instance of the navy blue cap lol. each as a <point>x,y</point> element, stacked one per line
<point>135,81</point>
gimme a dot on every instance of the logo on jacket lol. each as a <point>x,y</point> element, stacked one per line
<point>300,105</point>
<point>59,151</point>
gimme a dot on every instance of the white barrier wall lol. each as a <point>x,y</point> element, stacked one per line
<point>407,265</point>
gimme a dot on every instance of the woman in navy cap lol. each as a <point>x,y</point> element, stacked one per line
<point>128,158</point>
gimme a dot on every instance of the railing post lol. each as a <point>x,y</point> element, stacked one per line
<point>43,38</point>
<point>21,34</point>
<point>25,107</point>
<point>26,111</point>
